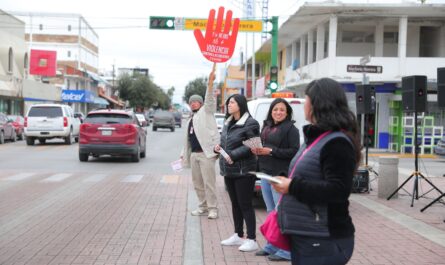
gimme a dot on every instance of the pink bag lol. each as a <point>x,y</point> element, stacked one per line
<point>271,231</point>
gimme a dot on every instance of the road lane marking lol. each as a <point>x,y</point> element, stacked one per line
<point>95,178</point>
<point>57,177</point>
<point>132,178</point>
<point>19,177</point>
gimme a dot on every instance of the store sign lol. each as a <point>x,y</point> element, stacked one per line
<point>83,96</point>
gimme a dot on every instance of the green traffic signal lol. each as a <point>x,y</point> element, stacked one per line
<point>162,23</point>
<point>273,86</point>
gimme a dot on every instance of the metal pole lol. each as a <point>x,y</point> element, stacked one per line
<point>253,66</point>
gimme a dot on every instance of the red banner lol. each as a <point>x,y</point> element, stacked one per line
<point>43,63</point>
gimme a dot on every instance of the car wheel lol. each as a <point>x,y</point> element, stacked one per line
<point>135,156</point>
<point>21,137</point>
<point>83,157</point>
<point>68,139</point>
<point>2,138</point>
<point>76,139</point>
<point>180,125</point>
<point>42,141</point>
<point>144,152</point>
<point>172,128</point>
<point>154,128</point>
<point>29,141</point>
<point>14,136</point>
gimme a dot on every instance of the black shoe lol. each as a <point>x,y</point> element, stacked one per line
<point>276,258</point>
<point>262,253</point>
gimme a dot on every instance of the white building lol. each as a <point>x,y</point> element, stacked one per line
<point>405,37</point>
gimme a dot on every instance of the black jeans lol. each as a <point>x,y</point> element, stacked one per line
<point>321,251</point>
<point>240,191</point>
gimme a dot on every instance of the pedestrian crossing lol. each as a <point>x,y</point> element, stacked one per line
<point>79,177</point>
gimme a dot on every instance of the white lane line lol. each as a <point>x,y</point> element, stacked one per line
<point>57,177</point>
<point>19,177</point>
<point>95,178</point>
<point>132,178</point>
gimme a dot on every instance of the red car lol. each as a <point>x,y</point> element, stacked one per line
<point>112,132</point>
<point>18,122</point>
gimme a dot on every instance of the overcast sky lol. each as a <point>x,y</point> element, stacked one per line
<point>125,40</point>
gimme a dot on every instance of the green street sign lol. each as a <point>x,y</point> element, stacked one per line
<point>162,23</point>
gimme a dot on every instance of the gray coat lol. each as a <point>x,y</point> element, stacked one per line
<point>232,142</point>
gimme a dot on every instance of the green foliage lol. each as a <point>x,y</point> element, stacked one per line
<point>141,92</point>
<point>197,86</point>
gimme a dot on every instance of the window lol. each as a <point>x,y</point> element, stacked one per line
<point>25,62</point>
<point>391,37</point>
<point>40,26</point>
<point>68,83</point>
<point>357,37</point>
<point>69,54</point>
<point>69,27</point>
<point>10,60</point>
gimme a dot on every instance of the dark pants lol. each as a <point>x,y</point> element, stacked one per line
<point>321,251</point>
<point>240,191</point>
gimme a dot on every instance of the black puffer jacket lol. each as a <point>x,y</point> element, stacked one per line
<point>284,139</point>
<point>232,138</point>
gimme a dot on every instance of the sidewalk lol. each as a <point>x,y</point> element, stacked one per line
<point>387,232</point>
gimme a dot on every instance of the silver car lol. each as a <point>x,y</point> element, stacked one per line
<point>163,119</point>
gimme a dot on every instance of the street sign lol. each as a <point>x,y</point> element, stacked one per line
<point>371,69</point>
<point>365,59</point>
<point>244,25</point>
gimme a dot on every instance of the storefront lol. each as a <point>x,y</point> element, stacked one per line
<point>82,100</point>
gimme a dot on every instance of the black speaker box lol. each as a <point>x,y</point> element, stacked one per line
<point>414,93</point>
<point>360,181</point>
<point>365,99</point>
<point>441,87</point>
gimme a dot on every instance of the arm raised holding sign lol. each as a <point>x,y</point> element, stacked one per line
<point>218,44</point>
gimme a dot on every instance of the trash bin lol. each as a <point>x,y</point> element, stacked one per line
<point>388,180</point>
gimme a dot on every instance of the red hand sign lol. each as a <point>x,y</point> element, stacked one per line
<point>218,45</point>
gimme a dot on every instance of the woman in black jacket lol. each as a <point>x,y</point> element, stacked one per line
<point>314,211</point>
<point>281,140</point>
<point>235,162</point>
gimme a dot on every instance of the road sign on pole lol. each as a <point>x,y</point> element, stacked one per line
<point>372,69</point>
<point>181,23</point>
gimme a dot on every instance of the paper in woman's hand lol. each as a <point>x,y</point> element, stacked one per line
<point>254,142</point>
<point>265,176</point>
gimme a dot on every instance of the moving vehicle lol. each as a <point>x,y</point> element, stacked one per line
<point>112,132</point>
<point>18,122</point>
<point>142,119</point>
<point>48,121</point>
<point>163,119</point>
<point>7,130</point>
<point>178,118</point>
<point>219,117</point>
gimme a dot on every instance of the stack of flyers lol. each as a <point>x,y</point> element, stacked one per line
<point>254,142</point>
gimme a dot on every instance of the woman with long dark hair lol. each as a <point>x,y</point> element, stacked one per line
<point>235,161</point>
<point>281,140</point>
<point>314,211</point>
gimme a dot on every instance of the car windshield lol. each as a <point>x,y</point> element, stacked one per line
<point>45,112</point>
<point>108,118</point>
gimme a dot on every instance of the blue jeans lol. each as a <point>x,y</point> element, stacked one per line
<point>271,198</point>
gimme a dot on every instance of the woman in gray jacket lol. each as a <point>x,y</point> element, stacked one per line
<point>235,162</point>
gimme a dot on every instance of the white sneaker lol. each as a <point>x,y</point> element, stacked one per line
<point>199,212</point>
<point>234,240</point>
<point>249,245</point>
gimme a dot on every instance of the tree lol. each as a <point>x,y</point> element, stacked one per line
<point>197,86</point>
<point>171,92</point>
<point>123,86</point>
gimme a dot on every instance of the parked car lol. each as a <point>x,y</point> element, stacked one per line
<point>7,130</point>
<point>142,119</point>
<point>163,119</point>
<point>48,121</point>
<point>112,132</point>
<point>178,118</point>
<point>19,125</point>
<point>80,116</point>
<point>439,149</point>
<point>219,117</point>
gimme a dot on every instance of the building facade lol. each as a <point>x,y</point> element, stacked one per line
<point>402,37</point>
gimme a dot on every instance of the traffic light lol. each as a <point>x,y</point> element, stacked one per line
<point>273,83</point>
<point>162,23</point>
